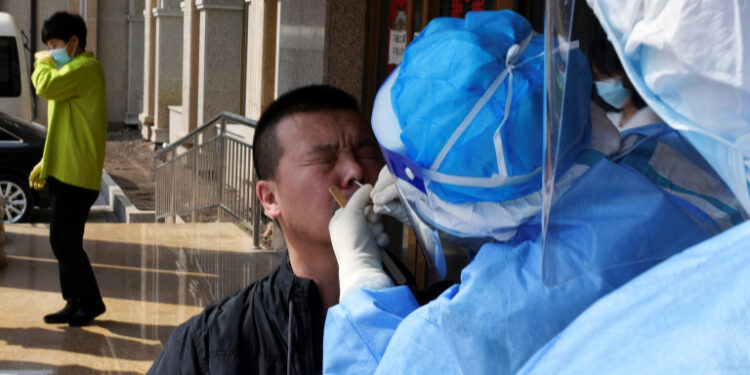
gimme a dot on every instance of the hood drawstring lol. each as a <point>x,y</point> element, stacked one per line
<point>290,344</point>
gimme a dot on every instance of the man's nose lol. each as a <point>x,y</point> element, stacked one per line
<point>350,169</point>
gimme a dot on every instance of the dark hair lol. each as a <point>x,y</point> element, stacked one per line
<point>63,25</point>
<point>600,52</point>
<point>315,98</point>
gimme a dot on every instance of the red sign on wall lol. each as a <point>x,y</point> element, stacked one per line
<point>459,8</point>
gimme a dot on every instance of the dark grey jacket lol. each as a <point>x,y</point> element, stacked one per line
<point>274,326</point>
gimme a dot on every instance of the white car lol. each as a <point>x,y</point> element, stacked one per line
<point>21,140</point>
<point>15,84</point>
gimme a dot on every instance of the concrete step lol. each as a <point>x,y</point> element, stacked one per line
<point>113,205</point>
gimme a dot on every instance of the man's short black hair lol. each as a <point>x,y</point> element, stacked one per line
<point>63,25</point>
<point>316,98</point>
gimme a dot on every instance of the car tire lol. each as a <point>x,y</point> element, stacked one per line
<point>16,200</point>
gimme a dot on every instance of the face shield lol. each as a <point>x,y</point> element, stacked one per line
<point>655,67</point>
<point>567,132</point>
<point>460,125</point>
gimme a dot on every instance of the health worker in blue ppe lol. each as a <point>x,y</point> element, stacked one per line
<point>691,68</point>
<point>613,90</point>
<point>461,126</point>
<point>690,314</point>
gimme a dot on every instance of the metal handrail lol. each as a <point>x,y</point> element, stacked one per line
<point>208,170</point>
<point>226,115</point>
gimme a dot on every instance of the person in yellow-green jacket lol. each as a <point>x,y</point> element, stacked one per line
<point>72,81</point>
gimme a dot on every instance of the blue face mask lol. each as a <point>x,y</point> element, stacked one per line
<point>60,55</point>
<point>613,92</point>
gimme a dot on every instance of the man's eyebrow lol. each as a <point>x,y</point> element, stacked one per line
<point>322,148</point>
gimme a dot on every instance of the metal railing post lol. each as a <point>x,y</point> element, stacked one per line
<point>194,180</point>
<point>172,187</point>
<point>255,206</point>
<point>157,193</point>
<point>220,167</point>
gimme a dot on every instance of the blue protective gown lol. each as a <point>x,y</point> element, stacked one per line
<point>688,315</point>
<point>502,312</point>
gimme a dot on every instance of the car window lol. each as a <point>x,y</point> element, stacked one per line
<point>6,136</point>
<point>10,74</point>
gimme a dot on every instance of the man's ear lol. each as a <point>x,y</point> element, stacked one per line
<point>73,40</point>
<point>266,191</point>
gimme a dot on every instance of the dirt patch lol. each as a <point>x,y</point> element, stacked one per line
<point>130,162</point>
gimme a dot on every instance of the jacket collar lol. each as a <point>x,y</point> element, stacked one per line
<point>295,286</point>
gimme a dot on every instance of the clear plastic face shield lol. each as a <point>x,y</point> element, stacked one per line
<point>408,178</point>
<point>567,130</point>
<point>420,205</point>
<point>458,142</point>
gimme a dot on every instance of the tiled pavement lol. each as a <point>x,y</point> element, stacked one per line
<point>152,278</point>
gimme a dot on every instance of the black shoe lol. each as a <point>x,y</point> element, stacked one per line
<point>83,316</point>
<point>63,315</point>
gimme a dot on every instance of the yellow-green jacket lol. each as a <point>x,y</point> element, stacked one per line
<point>76,120</point>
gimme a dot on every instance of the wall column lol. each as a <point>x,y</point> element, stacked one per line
<point>135,62</point>
<point>190,33</point>
<point>301,44</point>
<point>219,57</point>
<point>87,9</point>
<point>345,36</point>
<point>260,76</point>
<point>168,64</point>
<point>146,117</point>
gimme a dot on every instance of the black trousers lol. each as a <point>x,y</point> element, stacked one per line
<point>70,209</point>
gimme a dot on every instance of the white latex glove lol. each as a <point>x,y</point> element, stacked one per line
<point>356,247</point>
<point>385,198</point>
<point>376,226</point>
